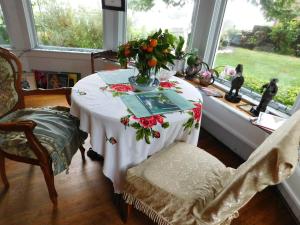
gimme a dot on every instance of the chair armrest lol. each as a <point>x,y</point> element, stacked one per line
<point>57,91</point>
<point>27,126</point>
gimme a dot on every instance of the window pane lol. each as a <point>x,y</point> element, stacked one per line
<point>4,39</point>
<point>144,17</point>
<point>266,40</point>
<point>68,23</point>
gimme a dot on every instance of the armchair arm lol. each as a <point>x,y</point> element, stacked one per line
<point>27,126</point>
<point>58,91</point>
<point>20,126</point>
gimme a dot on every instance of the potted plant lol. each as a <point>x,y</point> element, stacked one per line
<point>150,55</point>
<point>180,55</point>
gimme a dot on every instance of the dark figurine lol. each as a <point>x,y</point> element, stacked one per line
<point>270,91</point>
<point>236,85</point>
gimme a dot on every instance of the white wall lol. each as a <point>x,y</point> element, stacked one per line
<point>64,62</point>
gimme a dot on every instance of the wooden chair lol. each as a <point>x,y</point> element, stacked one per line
<point>104,55</point>
<point>184,185</point>
<point>27,135</point>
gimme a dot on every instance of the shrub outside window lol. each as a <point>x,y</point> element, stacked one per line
<point>68,23</point>
<point>145,17</point>
<point>265,38</point>
<point>4,39</point>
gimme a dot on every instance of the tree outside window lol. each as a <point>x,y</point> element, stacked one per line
<point>4,39</point>
<point>146,16</point>
<point>68,23</point>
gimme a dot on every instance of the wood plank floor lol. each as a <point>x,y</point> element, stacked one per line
<point>85,195</point>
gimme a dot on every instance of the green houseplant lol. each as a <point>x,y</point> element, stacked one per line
<point>149,55</point>
<point>179,62</point>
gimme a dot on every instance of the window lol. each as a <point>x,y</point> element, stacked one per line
<point>144,17</point>
<point>265,38</point>
<point>68,23</point>
<point>4,39</point>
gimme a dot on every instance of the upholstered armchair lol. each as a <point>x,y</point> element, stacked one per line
<point>184,185</point>
<point>46,137</point>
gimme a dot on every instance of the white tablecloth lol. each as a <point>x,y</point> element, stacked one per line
<point>114,130</point>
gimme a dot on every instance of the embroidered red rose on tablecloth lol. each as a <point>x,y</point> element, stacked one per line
<point>121,87</point>
<point>167,84</point>
<point>159,119</point>
<point>197,111</point>
<point>145,126</point>
<point>147,122</point>
<point>195,117</point>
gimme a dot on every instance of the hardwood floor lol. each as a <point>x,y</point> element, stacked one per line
<point>85,195</point>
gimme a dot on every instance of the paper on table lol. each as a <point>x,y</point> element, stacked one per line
<point>139,110</point>
<point>117,76</point>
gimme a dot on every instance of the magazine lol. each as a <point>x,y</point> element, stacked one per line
<point>211,92</point>
<point>157,102</point>
<point>268,121</point>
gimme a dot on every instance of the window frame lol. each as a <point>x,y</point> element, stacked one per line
<point>210,56</point>
<point>207,20</point>
<point>108,43</point>
<point>6,26</point>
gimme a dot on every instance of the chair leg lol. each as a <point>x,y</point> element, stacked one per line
<point>49,178</point>
<point>126,210</point>
<point>2,171</point>
<point>82,150</point>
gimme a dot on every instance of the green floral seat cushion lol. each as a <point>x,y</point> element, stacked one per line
<point>8,93</point>
<point>56,130</point>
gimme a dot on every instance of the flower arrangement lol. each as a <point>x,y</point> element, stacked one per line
<point>149,54</point>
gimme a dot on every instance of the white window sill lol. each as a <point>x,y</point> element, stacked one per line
<point>252,101</point>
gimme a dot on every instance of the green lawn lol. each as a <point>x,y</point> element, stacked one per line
<point>260,67</point>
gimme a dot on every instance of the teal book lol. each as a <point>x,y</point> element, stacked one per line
<point>156,102</point>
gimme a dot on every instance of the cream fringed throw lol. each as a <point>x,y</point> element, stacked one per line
<point>183,185</point>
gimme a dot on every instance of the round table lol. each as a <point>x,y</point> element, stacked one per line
<point>121,138</point>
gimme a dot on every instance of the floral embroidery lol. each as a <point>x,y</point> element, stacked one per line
<point>111,140</point>
<point>121,87</point>
<point>117,89</point>
<point>145,126</point>
<point>195,117</point>
<point>173,85</point>
<point>8,92</point>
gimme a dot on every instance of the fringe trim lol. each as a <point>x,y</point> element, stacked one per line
<point>139,205</point>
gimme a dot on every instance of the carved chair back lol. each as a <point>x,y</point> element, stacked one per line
<point>10,83</point>
<point>107,55</point>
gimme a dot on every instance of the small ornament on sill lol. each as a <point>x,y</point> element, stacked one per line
<point>271,90</point>
<point>236,84</point>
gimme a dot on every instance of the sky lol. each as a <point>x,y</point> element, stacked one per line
<point>243,15</point>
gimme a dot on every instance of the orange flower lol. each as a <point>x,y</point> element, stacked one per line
<point>152,62</point>
<point>127,52</point>
<point>149,49</point>
<point>144,47</point>
<point>153,43</point>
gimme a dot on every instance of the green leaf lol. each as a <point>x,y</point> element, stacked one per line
<point>188,124</point>
<point>197,125</point>
<point>136,125</point>
<point>147,132</point>
<point>165,125</point>
<point>147,139</point>
<point>140,134</point>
